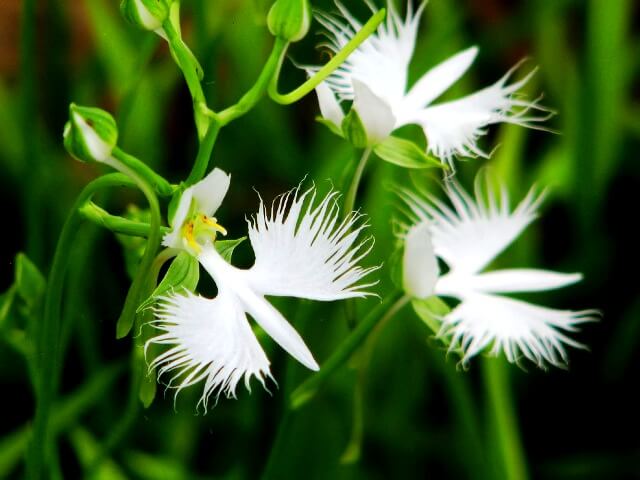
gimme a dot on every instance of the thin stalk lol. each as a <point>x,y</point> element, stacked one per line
<point>201,164</point>
<point>142,170</point>
<point>127,317</point>
<point>308,86</point>
<point>259,89</point>
<point>350,198</point>
<point>381,313</point>
<point>186,63</point>
<point>95,214</point>
<point>503,418</point>
<point>48,360</point>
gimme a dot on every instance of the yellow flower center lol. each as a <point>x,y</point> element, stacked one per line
<point>200,229</point>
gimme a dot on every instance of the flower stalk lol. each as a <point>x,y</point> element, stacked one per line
<point>307,390</point>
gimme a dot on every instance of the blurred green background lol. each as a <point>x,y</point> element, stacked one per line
<point>417,409</point>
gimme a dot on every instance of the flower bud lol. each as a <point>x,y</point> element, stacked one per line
<point>146,14</point>
<point>91,134</point>
<point>290,19</point>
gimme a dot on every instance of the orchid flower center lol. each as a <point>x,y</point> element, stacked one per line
<point>200,229</point>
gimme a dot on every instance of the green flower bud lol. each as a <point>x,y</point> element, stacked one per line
<point>146,14</point>
<point>91,134</point>
<point>290,19</point>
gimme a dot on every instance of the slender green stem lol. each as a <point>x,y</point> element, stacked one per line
<point>95,214</point>
<point>187,63</point>
<point>350,198</point>
<point>381,313</point>
<point>503,419</point>
<point>259,89</point>
<point>48,360</point>
<point>308,86</point>
<point>142,170</point>
<point>127,317</point>
<point>204,154</point>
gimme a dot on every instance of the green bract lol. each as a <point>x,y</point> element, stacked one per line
<point>91,134</point>
<point>290,19</point>
<point>146,14</point>
<point>353,129</point>
<point>405,153</point>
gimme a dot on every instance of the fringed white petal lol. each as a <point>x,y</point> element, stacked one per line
<point>419,264</point>
<point>437,80</point>
<point>207,194</point>
<point>516,328</point>
<point>381,61</point>
<point>472,233</point>
<point>210,341</point>
<point>272,322</point>
<point>308,252</point>
<point>453,128</point>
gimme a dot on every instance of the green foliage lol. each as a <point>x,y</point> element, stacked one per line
<point>405,153</point>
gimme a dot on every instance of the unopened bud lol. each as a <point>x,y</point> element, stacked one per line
<point>290,19</point>
<point>91,134</point>
<point>146,14</point>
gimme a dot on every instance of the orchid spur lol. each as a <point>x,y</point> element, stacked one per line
<point>375,79</point>
<point>305,252</point>
<point>467,238</point>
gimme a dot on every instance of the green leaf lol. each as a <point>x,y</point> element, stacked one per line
<point>184,272</point>
<point>395,263</point>
<point>226,247</point>
<point>405,154</point>
<point>430,310</point>
<point>354,130</point>
<point>333,128</point>
<point>30,284</point>
<point>6,302</point>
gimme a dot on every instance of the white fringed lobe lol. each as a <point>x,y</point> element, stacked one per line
<point>468,237</point>
<point>381,63</point>
<point>211,340</point>
<point>308,253</point>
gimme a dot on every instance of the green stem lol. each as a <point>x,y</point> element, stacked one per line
<point>204,154</point>
<point>95,214</point>
<point>350,198</point>
<point>127,317</point>
<point>381,313</point>
<point>503,417</point>
<point>255,93</point>
<point>187,63</point>
<point>48,360</point>
<point>308,86</point>
<point>142,170</point>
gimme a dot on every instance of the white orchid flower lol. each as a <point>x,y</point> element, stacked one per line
<point>374,78</point>
<point>467,238</point>
<point>305,252</point>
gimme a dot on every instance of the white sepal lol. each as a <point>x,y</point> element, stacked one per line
<point>329,107</point>
<point>419,264</point>
<point>376,114</point>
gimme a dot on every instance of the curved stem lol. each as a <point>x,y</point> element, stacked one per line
<point>127,317</point>
<point>48,341</point>
<point>142,170</point>
<point>308,86</point>
<point>350,198</point>
<point>381,313</point>
<point>95,214</point>
<point>269,72</point>
<point>187,63</point>
<point>204,154</point>
<point>503,419</point>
